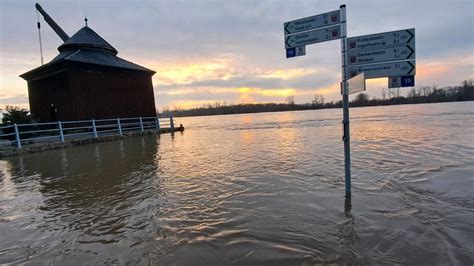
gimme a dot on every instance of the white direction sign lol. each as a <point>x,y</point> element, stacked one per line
<point>392,69</point>
<point>311,23</point>
<point>404,52</point>
<point>356,84</point>
<point>382,40</point>
<point>315,36</point>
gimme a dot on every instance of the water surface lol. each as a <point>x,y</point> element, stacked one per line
<point>254,189</point>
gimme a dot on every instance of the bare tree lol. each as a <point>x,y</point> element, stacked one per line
<point>290,100</point>
<point>318,100</point>
<point>391,94</point>
<point>412,93</point>
<point>425,90</point>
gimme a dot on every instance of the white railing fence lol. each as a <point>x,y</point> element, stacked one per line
<point>23,134</point>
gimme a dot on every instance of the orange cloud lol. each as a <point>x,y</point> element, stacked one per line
<point>188,104</point>
<point>246,93</point>
<point>334,88</point>
<point>287,73</point>
<point>432,69</point>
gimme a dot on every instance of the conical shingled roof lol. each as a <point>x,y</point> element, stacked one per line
<point>86,38</point>
<point>86,46</point>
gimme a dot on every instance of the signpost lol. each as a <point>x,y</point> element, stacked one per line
<point>387,54</point>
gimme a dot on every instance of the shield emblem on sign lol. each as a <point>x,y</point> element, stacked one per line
<point>353,59</point>
<point>334,18</point>
<point>334,33</point>
<point>352,44</point>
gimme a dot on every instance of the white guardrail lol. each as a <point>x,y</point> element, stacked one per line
<point>24,134</point>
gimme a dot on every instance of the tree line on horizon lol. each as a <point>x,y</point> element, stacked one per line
<point>415,95</point>
<point>423,94</point>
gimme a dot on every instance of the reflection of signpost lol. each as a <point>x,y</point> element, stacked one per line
<point>399,82</point>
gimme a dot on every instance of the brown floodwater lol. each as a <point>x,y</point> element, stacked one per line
<point>252,189</point>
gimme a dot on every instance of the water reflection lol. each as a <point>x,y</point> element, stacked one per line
<point>250,189</point>
<point>348,206</point>
<point>96,190</point>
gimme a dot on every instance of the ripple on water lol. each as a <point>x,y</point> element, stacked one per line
<point>258,189</point>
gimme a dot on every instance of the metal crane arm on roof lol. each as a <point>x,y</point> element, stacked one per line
<point>60,32</point>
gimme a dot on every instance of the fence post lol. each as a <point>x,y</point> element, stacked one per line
<point>158,124</point>
<point>141,124</point>
<point>171,124</point>
<point>94,129</point>
<point>119,126</point>
<point>17,136</point>
<point>61,134</point>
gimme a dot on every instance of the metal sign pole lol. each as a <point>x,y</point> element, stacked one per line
<point>345,104</point>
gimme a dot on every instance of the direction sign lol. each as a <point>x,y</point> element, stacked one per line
<point>311,23</point>
<point>315,36</point>
<point>392,69</point>
<point>296,51</point>
<point>398,82</point>
<point>382,40</point>
<point>396,53</point>
<point>356,84</point>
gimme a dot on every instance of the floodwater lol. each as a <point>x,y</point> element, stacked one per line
<point>252,189</point>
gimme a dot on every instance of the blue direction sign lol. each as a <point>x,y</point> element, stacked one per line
<point>408,81</point>
<point>403,81</point>
<point>296,51</point>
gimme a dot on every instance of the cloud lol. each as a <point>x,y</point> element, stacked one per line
<point>208,50</point>
<point>18,99</point>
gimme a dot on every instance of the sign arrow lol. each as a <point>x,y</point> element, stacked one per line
<point>286,28</point>
<point>286,42</point>
<point>412,69</point>
<point>412,51</point>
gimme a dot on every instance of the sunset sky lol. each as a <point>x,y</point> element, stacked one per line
<point>233,51</point>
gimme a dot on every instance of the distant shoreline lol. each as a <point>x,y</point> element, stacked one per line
<point>427,94</point>
<point>304,109</point>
